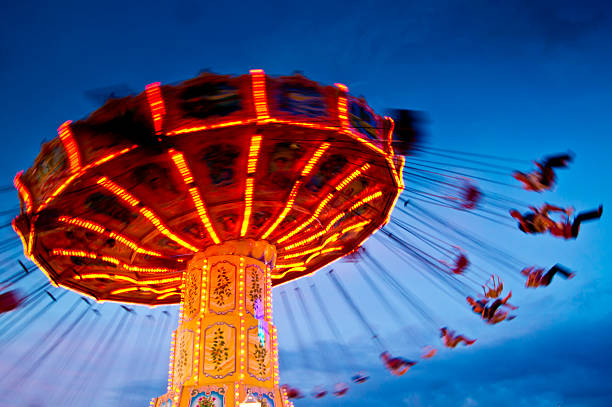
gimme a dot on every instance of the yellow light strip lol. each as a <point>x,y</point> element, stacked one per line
<point>161,297</point>
<point>355,226</point>
<point>400,175</point>
<point>327,241</point>
<point>285,211</point>
<point>29,255</point>
<point>24,243</point>
<point>328,250</point>
<point>248,205</point>
<point>210,127</point>
<point>250,182</point>
<point>343,106</point>
<point>391,164</point>
<point>31,236</point>
<point>241,314</point>
<point>149,289</point>
<point>65,135</point>
<point>171,364</point>
<point>388,218</point>
<point>284,266</point>
<point>126,278</point>
<point>156,104</point>
<point>81,172</point>
<point>268,295</point>
<point>284,273</point>
<point>258,81</point>
<point>111,260</point>
<point>346,181</point>
<point>315,158</point>
<point>390,134</point>
<point>254,153</point>
<point>94,227</point>
<point>23,191</point>
<point>179,160</point>
<point>305,172</point>
<point>204,304</point>
<point>347,131</point>
<point>181,164</point>
<point>146,212</point>
<point>334,220</point>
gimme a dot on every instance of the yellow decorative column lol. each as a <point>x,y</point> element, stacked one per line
<point>220,350</point>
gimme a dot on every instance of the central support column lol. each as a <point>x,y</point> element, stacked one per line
<point>225,345</point>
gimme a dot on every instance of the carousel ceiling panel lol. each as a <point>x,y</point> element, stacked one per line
<point>116,205</point>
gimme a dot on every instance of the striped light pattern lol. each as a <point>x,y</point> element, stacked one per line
<point>111,260</point>
<point>250,182</point>
<point>125,196</point>
<point>156,104</point>
<point>65,134</point>
<point>179,160</point>
<point>23,192</point>
<point>346,181</point>
<point>305,172</point>
<point>97,228</point>
<point>258,83</point>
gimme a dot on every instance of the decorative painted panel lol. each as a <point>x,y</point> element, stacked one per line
<point>219,350</point>
<point>222,293</point>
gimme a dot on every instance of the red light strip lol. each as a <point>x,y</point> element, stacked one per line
<point>126,278</point>
<point>111,260</point>
<point>156,104</point>
<point>23,191</point>
<point>346,181</point>
<point>334,220</point>
<point>24,243</point>
<point>258,81</point>
<point>400,175</point>
<point>391,165</point>
<point>81,172</point>
<point>31,236</point>
<point>181,164</point>
<point>343,106</point>
<point>305,171</point>
<point>27,253</point>
<point>146,212</point>
<point>65,135</point>
<point>390,134</point>
<point>250,182</point>
<point>95,227</point>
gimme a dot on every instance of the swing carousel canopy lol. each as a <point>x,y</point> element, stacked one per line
<point>116,205</point>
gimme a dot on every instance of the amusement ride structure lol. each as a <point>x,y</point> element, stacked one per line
<point>209,193</point>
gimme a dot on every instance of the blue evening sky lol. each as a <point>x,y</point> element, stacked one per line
<point>516,79</point>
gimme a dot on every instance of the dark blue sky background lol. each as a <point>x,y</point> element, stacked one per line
<point>515,78</point>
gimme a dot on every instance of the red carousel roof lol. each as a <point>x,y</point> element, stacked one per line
<point>117,203</point>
